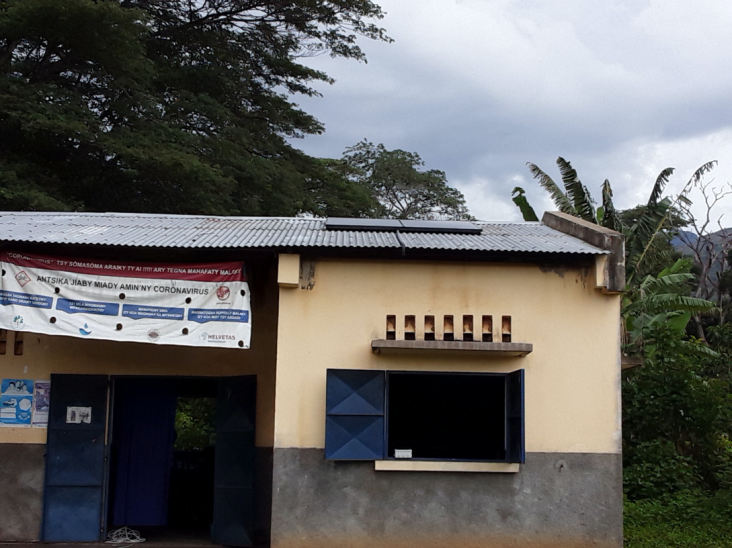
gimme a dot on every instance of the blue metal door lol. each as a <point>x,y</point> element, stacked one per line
<point>234,474</point>
<point>75,459</point>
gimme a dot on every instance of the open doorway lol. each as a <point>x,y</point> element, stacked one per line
<point>120,465</point>
<point>162,458</point>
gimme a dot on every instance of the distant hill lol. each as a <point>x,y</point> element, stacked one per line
<point>713,243</point>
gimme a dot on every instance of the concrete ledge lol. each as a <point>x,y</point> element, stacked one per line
<point>611,275</point>
<point>445,466</point>
<point>498,348</point>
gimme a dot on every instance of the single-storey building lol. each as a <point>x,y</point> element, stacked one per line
<point>374,383</point>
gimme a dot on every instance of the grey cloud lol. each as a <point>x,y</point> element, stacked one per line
<point>610,86</point>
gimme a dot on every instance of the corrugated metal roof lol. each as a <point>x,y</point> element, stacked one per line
<point>178,231</point>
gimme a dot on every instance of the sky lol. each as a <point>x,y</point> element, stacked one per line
<point>478,88</point>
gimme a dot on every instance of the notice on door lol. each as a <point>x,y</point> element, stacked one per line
<point>78,415</point>
<point>189,304</point>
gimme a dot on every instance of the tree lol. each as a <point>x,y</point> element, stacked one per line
<point>648,228</point>
<point>400,186</point>
<point>167,105</point>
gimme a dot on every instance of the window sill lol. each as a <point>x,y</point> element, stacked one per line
<point>445,466</point>
<point>488,348</point>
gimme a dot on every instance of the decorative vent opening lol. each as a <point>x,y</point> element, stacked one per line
<point>468,328</point>
<point>487,328</point>
<point>506,329</point>
<point>429,328</point>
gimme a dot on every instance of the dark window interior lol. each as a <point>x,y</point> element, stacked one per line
<point>447,416</point>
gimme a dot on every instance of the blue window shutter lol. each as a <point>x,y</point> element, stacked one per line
<point>515,449</point>
<point>354,406</point>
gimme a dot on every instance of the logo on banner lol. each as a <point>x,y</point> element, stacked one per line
<point>22,278</point>
<point>153,335</point>
<point>85,330</point>
<point>18,323</point>
<point>217,338</point>
<point>223,293</point>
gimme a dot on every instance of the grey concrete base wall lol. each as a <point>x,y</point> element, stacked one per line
<point>556,500</point>
<point>21,500</point>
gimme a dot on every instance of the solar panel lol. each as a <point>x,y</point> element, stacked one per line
<point>392,225</point>
<point>376,225</point>
<point>441,227</point>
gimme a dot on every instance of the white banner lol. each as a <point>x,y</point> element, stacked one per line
<point>203,304</point>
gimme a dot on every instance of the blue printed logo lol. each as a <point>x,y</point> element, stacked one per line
<point>85,330</point>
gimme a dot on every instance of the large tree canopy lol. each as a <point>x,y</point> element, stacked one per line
<point>399,184</point>
<point>170,105</point>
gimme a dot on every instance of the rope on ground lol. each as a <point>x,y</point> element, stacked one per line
<point>124,535</point>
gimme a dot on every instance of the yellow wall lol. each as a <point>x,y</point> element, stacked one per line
<point>44,354</point>
<point>572,376</point>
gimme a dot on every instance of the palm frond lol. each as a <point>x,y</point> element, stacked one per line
<point>667,281</point>
<point>658,187</point>
<point>701,171</point>
<point>609,214</point>
<point>673,301</point>
<point>583,204</point>
<point>523,204</point>
<point>560,199</point>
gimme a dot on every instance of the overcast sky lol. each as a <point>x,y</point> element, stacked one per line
<point>620,88</point>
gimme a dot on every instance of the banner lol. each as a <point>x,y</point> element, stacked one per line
<point>204,304</point>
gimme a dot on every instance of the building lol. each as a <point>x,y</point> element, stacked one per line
<point>376,383</point>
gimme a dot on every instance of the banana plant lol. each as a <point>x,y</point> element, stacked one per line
<point>661,300</point>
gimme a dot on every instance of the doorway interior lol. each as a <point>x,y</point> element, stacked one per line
<point>150,457</point>
<point>162,457</point>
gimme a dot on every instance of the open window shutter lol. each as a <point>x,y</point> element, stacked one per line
<point>354,424</point>
<point>515,451</point>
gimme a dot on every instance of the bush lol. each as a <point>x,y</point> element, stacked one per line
<point>686,519</point>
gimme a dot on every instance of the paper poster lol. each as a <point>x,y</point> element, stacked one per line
<point>41,399</point>
<point>16,402</point>
<point>202,304</point>
<point>77,415</point>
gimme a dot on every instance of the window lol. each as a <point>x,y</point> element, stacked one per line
<point>432,416</point>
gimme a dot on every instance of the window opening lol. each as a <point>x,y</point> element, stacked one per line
<point>447,416</point>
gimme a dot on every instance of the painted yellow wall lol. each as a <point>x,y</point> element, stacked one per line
<point>44,355</point>
<point>572,376</point>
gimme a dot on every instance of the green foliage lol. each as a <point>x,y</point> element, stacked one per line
<point>195,423</point>
<point>686,519</point>
<point>519,198</point>
<point>400,186</point>
<point>661,300</point>
<point>561,200</point>
<point>169,106</point>
<point>675,419</point>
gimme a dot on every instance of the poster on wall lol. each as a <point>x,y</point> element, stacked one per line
<point>16,402</point>
<point>202,304</point>
<point>41,399</point>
